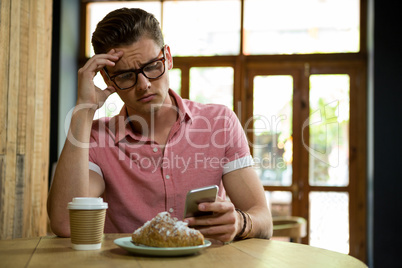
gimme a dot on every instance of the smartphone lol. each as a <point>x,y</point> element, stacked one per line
<point>197,196</point>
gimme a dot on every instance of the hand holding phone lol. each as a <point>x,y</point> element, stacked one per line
<point>197,196</point>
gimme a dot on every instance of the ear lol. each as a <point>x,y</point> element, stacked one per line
<point>169,57</point>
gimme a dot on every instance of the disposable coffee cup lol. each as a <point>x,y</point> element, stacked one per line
<point>87,222</point>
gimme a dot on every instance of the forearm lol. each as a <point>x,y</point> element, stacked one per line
<point>257,222</point>
<point>247,194</point>
<point>71,177</point>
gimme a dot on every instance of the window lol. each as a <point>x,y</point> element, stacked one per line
<point>294,73</point>
<point>203,28</point>
<point>300,27</point>
<point>212,85</point>
<point>329,130</point>
<point>272,128</point>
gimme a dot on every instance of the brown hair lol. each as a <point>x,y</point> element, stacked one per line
<point>123,27</point>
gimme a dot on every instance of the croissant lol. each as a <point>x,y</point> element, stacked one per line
<point>165,231</point>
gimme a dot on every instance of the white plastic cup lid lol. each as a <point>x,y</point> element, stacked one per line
<point>87,203</point>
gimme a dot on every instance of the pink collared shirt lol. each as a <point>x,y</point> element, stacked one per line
<point>143,178</point>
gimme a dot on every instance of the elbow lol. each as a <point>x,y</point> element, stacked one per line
<point>265,229</point>
<point>62,230</point>
<point>271,228</point>
<point>59,222</point>
<point>264,225</point>
<point>268,232</point>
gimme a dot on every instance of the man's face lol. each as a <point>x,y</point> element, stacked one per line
<point>148,95</point>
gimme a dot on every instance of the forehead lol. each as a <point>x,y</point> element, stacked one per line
<point>137,54</point>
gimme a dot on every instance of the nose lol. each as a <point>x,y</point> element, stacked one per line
<point>143,83</point>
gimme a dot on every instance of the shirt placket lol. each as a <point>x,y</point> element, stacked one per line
<point>168,173</point>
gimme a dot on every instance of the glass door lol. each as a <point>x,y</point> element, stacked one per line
<point>272,138</point>
<point>300,126</point>
<point>328,149</point>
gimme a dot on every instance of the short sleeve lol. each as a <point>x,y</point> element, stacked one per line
<point>237,151</point>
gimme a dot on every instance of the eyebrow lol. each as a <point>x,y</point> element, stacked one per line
<point>130,70</point>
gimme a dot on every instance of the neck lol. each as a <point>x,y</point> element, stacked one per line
<point>157,124</point>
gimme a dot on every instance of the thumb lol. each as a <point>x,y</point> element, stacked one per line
<point>108,91</point>
<point>219,199</point>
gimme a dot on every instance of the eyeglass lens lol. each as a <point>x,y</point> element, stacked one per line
<point>152,70</point>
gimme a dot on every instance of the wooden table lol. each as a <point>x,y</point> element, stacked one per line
<point>57,252</point>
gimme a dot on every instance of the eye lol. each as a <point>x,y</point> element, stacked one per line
<point>125,76</point>
<point>153,66</point>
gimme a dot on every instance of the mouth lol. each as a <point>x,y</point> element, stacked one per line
<point>147,98</point>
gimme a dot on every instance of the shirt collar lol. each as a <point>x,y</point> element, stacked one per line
<point>123,127</point>
<point>184,112</point>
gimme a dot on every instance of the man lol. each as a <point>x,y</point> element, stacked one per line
<point>144,160</point>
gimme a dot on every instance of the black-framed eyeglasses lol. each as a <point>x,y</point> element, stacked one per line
<point>127,79</point>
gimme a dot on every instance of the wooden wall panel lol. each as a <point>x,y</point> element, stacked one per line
<point>25,36</point>
<point>5,7</point>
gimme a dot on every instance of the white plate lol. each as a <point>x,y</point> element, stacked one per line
<point>127,244</point>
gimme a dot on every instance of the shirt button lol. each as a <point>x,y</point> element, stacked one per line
<point>155,149</point>
<point>167,177</point>
<point>171,210</point>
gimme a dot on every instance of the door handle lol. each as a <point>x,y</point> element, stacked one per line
<point>297,190</point>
